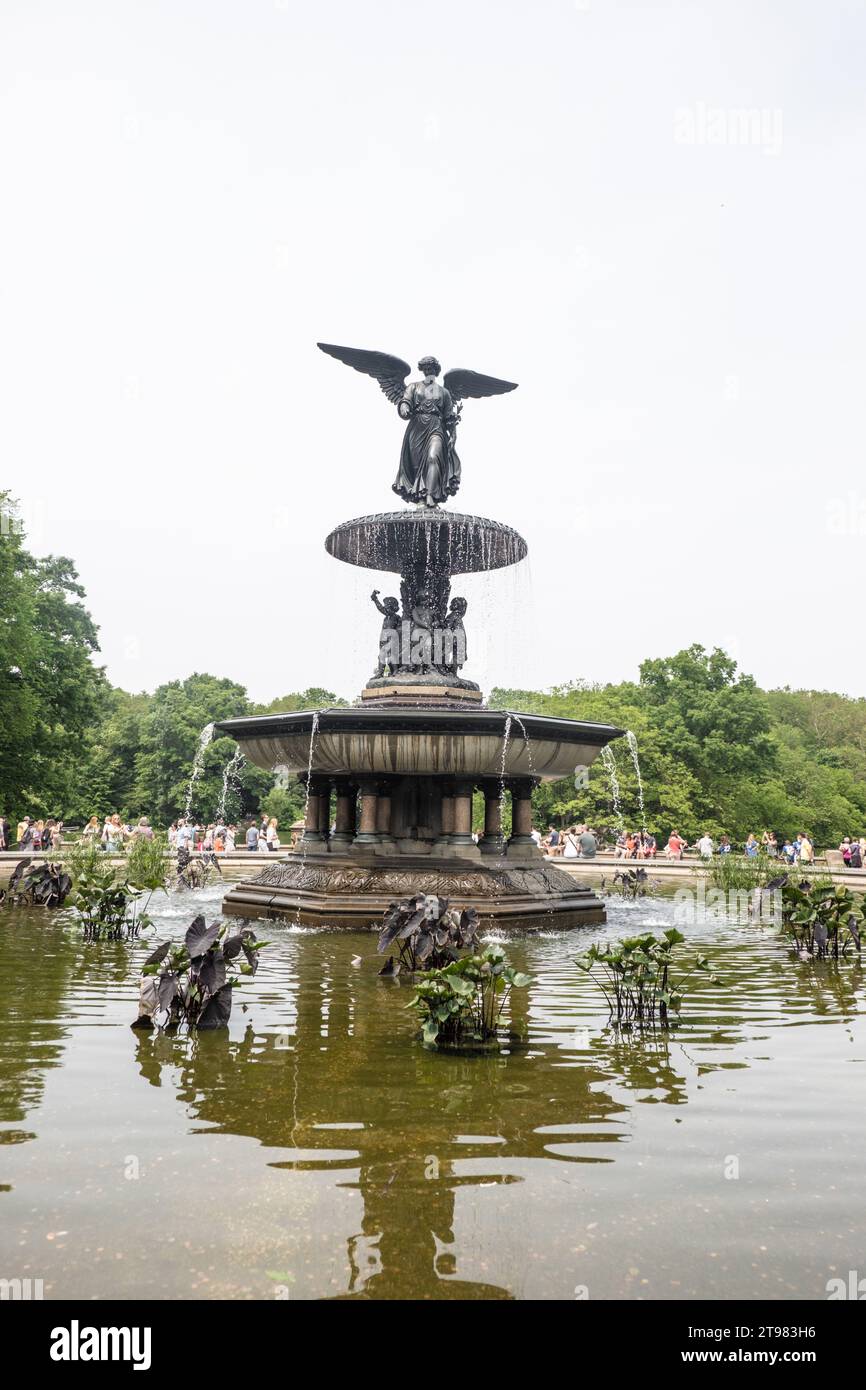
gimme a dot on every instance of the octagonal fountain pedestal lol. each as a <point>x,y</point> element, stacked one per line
<point>389,813</point>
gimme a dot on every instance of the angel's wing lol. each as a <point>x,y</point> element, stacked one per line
<point>461,382</point>
<point>390,372</point>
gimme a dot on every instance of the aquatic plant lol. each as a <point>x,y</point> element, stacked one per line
<point>189,984</point>
<point>463,1001</point>
<point>427,932</point>
<point>635,976</point>
<point>37,885</point>
<point>737,873</point>
<point>633,883</point>
<point>195,873</point>
<point>821,919</point>
<point>110,907</point>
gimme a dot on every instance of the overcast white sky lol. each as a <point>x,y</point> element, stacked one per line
<point>560,193</point>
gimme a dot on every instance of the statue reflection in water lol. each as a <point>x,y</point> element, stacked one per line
<point>350,1055</point>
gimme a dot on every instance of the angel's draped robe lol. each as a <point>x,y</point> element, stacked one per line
<point>429,465</point>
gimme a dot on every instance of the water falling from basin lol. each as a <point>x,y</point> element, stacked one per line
<point>204,739</point>
<point>522,726</point>
<point>609,761</point>
<point>506,734</point>
<point>631,740</point>
<point>230,774</point>
<point>314,729</point>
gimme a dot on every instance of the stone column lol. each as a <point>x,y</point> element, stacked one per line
<point>368,833</point>
<point>462,842</point>
<point>521,843</point>
<point>383,817</point>
<point>443,840</point>
<point>492,841</point>
<point>344,829</point>
<point>313,836</point>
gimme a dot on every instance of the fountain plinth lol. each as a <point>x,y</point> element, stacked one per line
<point>399,770</point>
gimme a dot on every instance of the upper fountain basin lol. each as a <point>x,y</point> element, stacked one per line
<point>415,742</point>
<point>446,542</point>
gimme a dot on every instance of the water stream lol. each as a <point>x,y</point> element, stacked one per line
<point>230,774</point>
<point>314,729</point>
<point>506,734</point>
<point>526,740</point>
<point>204,739</point>
<point>609,761</point>
<point>631,740</point>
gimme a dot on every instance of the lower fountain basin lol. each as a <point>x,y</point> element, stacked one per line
<point>340,892</point>
<point>420,742</point>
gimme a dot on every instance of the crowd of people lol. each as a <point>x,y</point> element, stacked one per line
<point>797,849</point>
<point>32,834</point>
<point>575,842</point>
<point>579,841</point>
<point>114,835</point>
<point>219,838</point>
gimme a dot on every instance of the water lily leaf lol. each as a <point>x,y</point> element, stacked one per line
<point>159,954</point>
<point>412,925</point>
<point>199,938</point>
<point>217,1010</point>
<point>167,990</point>
<point>423,946</point>
<point>461,987</point>
<point>212,975</point>
<point>232,947</point>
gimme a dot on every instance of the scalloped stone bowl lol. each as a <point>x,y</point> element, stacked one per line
<point>430,742</point>
<point>441,542</point>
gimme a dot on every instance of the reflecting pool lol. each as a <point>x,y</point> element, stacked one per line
<point>317,1150</point>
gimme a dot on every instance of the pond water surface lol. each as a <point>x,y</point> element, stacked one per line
<point>317,1150</point>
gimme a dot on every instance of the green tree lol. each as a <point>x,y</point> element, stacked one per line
<point>170,736</point>
<point>298,700</point>
<point>50,688</point>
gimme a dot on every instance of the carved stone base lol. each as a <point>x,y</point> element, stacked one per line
<point>332,891</point>
<point>422,696</point>
<point>433,689</point>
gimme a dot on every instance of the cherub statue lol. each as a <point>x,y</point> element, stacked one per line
<point>429,469</point>
<point>454,622</point>
<point>389,637</point>
<point>421,632</point>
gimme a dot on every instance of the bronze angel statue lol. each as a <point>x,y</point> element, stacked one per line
<point>429,469</point>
